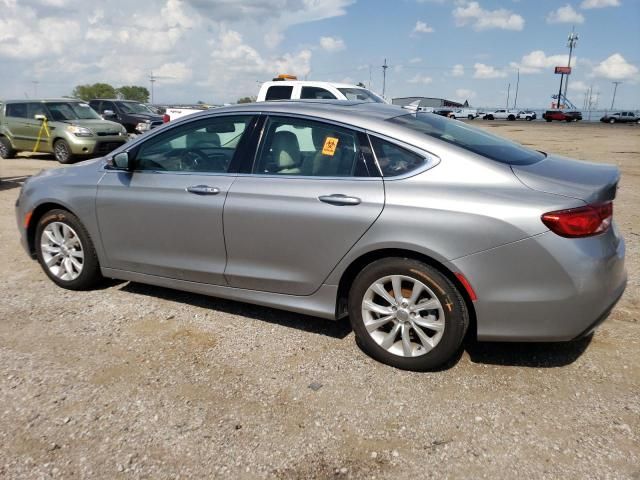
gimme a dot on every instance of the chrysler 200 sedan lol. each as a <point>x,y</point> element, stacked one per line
<point>415,226</point>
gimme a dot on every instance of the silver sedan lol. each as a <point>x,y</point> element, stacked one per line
<point>417,227</point>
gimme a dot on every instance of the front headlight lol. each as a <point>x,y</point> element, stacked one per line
<point>143,126</point>
<point>79,131</point>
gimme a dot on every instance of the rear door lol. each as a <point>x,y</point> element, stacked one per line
<point>165,218</point>
<point>20,129</point>
<point>311,193</point>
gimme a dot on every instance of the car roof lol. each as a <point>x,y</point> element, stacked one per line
<point>114,100</point>
<point>44,100</point>
<point>359,114</point>
<point>312,83</point>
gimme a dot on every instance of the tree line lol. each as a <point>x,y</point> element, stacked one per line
<point>104,90</point>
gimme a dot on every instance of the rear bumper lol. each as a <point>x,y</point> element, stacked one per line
<point>546,288</point>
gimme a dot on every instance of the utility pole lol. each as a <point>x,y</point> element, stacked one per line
<point>615,88</point>
<point>515,102</point>
<point>35,87</point>
<point>572,40</point>
<point>384,77</point>
<point>369,77</point>
<point>508,93</point>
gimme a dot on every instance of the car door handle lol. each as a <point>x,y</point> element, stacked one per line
<point>339,199</point>
<point>203,190</point>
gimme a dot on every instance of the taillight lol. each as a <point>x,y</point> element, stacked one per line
<point>581,221</point>
<point>165,118</point>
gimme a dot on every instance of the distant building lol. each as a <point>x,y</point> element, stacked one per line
<point>428,102</point>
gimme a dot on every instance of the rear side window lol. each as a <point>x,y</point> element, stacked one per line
<point>469,138</point>
<point>279,92</point>
<point>36,109</point>
<point>395,160</point>
<point>18,110</point>
<point>316,93</point>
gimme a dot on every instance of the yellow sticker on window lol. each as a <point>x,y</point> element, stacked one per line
<point>330,145</point>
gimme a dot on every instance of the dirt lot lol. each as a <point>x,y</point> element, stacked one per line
<point>132,381</point>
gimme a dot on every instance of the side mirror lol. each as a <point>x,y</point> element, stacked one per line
<point>40,117</point>
<point>121,161</point>
<point>108,113</point>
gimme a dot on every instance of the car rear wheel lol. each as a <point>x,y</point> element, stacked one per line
<point>489,117</point>
<point>612,120</point>
<point>65,251</point>
<point>407,314</point>
<point>470,117</point>
<point>511,118</point>
<point>62,151</point>
<point>6,150</point>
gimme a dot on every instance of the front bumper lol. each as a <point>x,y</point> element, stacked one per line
<point>95,146</point>
<point>545,288</point>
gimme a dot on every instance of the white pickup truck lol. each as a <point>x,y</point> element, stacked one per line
<point>469,113</point>
<point>287,87</point>
<point>501,115</point>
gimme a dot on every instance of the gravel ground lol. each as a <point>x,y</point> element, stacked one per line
<point>132,381</point>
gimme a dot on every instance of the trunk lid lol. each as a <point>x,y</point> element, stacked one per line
<point>587,181</point>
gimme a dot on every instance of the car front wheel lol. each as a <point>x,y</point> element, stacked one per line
<point>407,314</point>
<point>62,151</point>
<point>612,120</point>
<point>65,251</point>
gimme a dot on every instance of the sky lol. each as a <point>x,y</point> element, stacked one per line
<point>217,51</point>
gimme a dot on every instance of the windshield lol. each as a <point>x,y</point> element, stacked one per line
<point>133,107</point>
<point>361,94</point>
<point>61,111</point>
<point>469,138</point>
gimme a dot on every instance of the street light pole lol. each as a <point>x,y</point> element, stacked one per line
<point>384,77</point>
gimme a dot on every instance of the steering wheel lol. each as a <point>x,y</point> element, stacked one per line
<point>191,159</point>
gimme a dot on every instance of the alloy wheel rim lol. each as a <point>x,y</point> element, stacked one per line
<point>62,251</point>
<point>403,316</point>
<point>61,151</point>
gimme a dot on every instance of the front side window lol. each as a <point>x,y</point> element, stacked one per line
<point>18,110</point>
<point>34,109</point>
<point>207,145</point>
<point>309,148</point>
<point>316,93</point>
<point>133,107</point>
<point>279,92</point>
<point>63,111</point>
<point>469,138</point>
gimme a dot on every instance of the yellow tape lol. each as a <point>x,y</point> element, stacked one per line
<point>43,128</point>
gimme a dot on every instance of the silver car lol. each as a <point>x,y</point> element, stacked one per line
<point>417,227</point>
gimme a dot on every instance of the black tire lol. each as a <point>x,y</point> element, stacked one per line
<point>612,121</point>
<point>489,117</point>
<point>470,117</point>
<point>90,274</point>
<point>6,149</point>
<point>511,118</point>
<point>456,316</point>
<point>62,151</point>
<point>529,119</point>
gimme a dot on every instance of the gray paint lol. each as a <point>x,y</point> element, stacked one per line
<point>270,241</point>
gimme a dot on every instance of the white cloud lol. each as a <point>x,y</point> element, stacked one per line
<point>422,27</point>
<point>471,13</point>
<point>332,44</point>
<point>173,73</point>
<point>463,94</point>
<point>587,4</point>
<point>487,71</point>
<point>616,68</point>
<point>578,86</point>
<point>457,70</point>
<point>565,14</point>
<point>421,79</point>
<point>415,60</point>
<point>537,62</point>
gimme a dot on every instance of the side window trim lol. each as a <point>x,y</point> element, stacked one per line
<point>259,136</point>
<point>431,159</point>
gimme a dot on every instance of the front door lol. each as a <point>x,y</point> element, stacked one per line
<point>165,218</point>
<point>311,194</point>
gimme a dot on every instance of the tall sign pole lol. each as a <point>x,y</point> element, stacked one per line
<point>615,89</point>
<point>572,40</point>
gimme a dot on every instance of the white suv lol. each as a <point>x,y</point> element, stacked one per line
<point>502,115</point>
<point>303,89</point>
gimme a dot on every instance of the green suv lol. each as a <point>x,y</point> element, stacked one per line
<point>70,129</point>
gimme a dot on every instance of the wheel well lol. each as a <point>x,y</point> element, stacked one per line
<point>37,214</point>
<point>358,264</point>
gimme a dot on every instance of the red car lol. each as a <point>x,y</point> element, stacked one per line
<point>561,115</point>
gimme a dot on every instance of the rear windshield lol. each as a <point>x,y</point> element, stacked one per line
<point>361,94</point>
<point>470,138</point>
